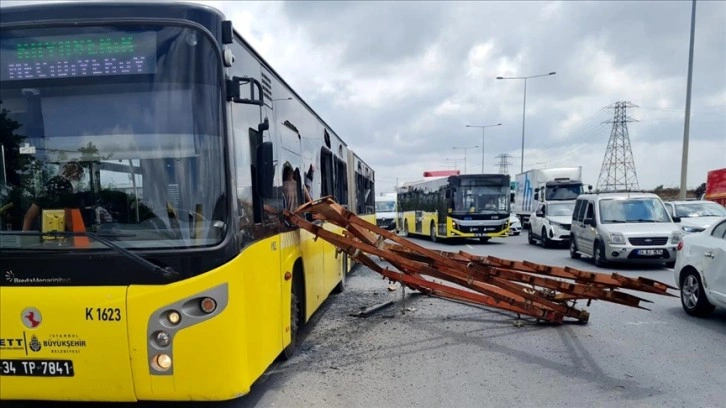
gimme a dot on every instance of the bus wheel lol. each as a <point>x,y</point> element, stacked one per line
<point>340,287</point>
<point>289,351</point>
<point>433,232</point>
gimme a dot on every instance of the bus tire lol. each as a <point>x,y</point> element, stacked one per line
<point>340,287</point>
<point>295,320</point>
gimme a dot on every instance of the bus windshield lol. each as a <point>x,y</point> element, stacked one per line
<point>474,198</point>
<point>112,129</point>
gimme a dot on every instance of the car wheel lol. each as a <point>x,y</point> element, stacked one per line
<point>693,299</point>
<point>598,255</point>
<point>545,241</point>
<point>573,248</point>
<point>530,238</point>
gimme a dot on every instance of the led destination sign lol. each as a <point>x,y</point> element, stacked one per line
<point>82,55</point>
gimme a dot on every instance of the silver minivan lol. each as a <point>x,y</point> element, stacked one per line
<point>624,227</point>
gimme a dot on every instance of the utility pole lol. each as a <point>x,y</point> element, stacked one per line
<point>483,127</point>
<point>465,149</point>
<point>687,124</point>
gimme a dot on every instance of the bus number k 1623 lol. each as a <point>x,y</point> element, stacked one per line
<point>107,314</point>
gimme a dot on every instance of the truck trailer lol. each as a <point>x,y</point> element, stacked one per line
<point>543,185</point>
<point>716,186</point>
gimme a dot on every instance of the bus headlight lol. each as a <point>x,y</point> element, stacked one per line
<point>208,305</point>
<point>162,362</point>
<point>173,317</point>
<point>162,338</point>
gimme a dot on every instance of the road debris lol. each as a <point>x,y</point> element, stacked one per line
<point>370,310</point>
<point>548,293</point>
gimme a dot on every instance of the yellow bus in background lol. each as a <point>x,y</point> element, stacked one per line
<point>456,206</point>
<point>147,154</point>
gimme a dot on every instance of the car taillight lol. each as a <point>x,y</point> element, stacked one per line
<point>680,246</point>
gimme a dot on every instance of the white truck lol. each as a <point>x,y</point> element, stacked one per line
<point>543,185</point>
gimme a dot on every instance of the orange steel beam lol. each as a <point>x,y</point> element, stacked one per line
<point>517,286</point>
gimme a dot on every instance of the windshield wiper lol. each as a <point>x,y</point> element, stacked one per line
<point>166,272</point>
<point>642,220</point>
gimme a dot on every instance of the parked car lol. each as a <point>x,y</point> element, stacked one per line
<point>695,216</point>
<point>624,227</point>
<point>700,269</point>
<point>550,223</point>
<point>515,226</point>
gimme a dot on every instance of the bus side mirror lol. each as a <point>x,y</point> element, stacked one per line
<point>262,126</point>
<point>234,87</point>
<point>265,169</point>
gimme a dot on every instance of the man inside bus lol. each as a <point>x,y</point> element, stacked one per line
<point>309,183</point>
<point>58,193</point>
<point>490,205</point>
<point>289,188</point>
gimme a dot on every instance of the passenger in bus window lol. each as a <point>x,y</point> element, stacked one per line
<point>289,188</point>
<point>490,205</point>
<point>309,183</point>
<point>57,193</point>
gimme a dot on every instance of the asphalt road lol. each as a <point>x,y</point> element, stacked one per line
<point>445,354</point>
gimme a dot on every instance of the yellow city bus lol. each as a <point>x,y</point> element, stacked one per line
<point>147,154</point>
<point>457,206</point>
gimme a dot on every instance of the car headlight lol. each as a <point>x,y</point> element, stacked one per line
<point>617,238</point>
<point>688,229</point>
<point>676,237</point>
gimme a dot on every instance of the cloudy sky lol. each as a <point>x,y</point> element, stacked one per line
<point>399,81</point>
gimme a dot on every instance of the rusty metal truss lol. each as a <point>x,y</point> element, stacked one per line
<point>548,293</point>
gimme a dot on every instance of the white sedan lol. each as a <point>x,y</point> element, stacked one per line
<point>700,269</point>
<point>515,227</point>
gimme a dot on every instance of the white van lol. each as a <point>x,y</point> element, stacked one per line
<point>386,211</point>
<point>624,227</point>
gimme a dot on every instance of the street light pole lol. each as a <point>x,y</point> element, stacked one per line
<point>465,149</point>
<point>687,124</point>
<point>524,108</point>
<point>482,140</point>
